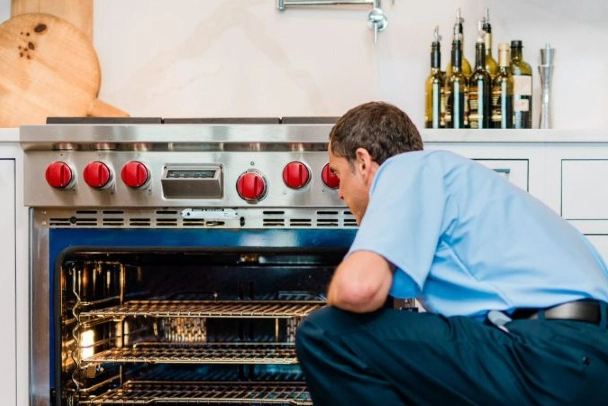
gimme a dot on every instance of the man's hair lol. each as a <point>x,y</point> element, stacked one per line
<point>381,128</point>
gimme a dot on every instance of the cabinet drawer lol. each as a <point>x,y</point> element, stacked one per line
<point>515,170</point>
<point>584,191</point>
<point>601,244</point>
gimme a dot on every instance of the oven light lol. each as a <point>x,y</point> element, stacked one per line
<point>87,339</point>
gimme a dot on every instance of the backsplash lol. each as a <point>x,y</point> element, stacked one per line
<point>227,58</point>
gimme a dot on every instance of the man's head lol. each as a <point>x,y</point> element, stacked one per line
<point>360,141</point>
<point>381,128</point>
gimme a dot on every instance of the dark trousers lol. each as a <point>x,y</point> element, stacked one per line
<point>393,357</point>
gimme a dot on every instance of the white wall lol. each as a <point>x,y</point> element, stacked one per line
<point>222,58</point>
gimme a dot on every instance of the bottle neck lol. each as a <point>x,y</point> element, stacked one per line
<point>487,39</point>
<point>456,56</point>
<point>435,56</point>
<point>516,53</point>
<point>504,59</point>
<point>480,55</point>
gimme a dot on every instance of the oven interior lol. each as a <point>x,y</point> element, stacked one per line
<point>195,326</point>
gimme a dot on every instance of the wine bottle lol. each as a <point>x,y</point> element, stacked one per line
<point>522,87</point>
<point>486,27</point>
<point>435,109</point>
<point>456,112</point>
<point>459,35</point>
<point>502,90</point>
<point>480,91</point>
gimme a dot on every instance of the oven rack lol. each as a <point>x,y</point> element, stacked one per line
<point>151,392</point>
<point>211,353</point>
<point>209,309</point>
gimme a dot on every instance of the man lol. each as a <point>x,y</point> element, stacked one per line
<point>515,297</point>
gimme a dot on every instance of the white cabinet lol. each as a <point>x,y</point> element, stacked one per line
<point>8,383</point>
<point>13,274</point>
<point>585,189</point>
<point>515,170</point>
<point>8,345</point>
<point>567,171</point>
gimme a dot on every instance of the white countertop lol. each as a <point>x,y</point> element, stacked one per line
<point>9,135</point>
<point>514,136</point>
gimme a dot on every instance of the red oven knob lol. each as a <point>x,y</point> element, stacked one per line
<point>59,175</point>
<point>135,174</point>
<point>296,175</point>
<point>330,180</point>
<point>97,175</point>
<point>251,186</point>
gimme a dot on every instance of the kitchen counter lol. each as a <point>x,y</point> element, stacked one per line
<point>514,136</point>
<point>8,135</point>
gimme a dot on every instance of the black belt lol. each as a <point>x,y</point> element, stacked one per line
<point>590,311</point>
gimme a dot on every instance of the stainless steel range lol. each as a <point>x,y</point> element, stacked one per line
<point>172,260</point>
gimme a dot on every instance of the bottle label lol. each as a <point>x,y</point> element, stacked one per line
<point>502,107</point>
<point>521,104</point>
<point>522,85</point>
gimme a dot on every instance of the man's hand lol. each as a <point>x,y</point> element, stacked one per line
<point>361,282</point>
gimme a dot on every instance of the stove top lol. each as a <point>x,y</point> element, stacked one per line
<point>194,120</point>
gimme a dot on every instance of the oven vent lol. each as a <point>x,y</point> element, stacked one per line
<point>60,222</point>
<point>300,222</point>
<point>166,218</point>
<point>112,218</point>
<point>296,217</point>
<point>273,218</point>
<point>194,222</point>
<point>140,222</point>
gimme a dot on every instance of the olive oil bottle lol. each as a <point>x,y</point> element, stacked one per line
<point>434,116</point>
<point>486,28</point>
<point>522,87</point>
<point>502,90</point>
<point>459,35</point>
<point>456,89</point>
<point>480,92</point>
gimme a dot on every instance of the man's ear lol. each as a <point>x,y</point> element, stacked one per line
<point>365,164</point>
<point>363,161</point>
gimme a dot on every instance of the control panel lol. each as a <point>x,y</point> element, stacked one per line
<point>181,179</point>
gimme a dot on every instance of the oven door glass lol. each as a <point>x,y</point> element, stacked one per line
<point>184,316</point>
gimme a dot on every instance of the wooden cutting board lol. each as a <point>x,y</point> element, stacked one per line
<point>77,12</point>
<point>48,68</point>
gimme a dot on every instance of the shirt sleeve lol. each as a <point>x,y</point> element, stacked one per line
<point>403,221</point>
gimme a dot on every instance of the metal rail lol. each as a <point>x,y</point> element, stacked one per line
<point>214,353</point>
<point>209,309</point>
<point>138,393</point>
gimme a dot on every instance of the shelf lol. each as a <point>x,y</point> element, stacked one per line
<point>233,353</point>
<point>138,393</point>
<point>207,309</point>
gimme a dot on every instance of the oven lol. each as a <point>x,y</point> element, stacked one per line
<point>171,261</point>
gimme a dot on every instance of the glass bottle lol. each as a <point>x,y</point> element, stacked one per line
<point>459,35</point>
<point>456,88</point>
<point>435,109</point>
<point>522,87</point>
<point>480,91</point>
<point>502,90</point>
<point>486,27</point>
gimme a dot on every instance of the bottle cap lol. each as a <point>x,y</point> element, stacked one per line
<point>516,44</point>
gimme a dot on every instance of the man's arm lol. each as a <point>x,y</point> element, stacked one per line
<point>361,282</point>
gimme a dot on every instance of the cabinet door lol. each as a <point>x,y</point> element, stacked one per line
<point>584,191</point>
<point>8,383</point>
<point>515,170</point>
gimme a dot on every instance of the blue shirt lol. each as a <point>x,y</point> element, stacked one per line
<point>465,240</point>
